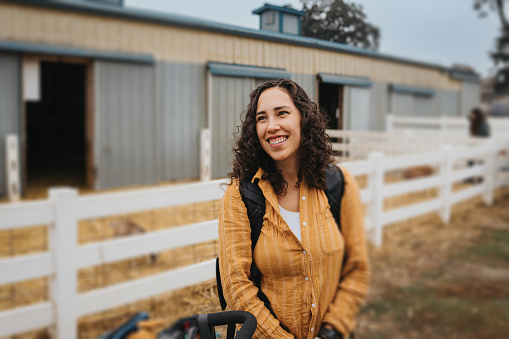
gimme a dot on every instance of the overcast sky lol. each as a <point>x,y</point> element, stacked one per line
<point>437,31</point>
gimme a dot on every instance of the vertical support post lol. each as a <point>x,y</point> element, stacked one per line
<point>446,168</point>
<point>491,171</point>
<point>63,247</point>
<point>376,182</point>
<point>205,159</point>
<point>443,124</point>
<point>12,167</point>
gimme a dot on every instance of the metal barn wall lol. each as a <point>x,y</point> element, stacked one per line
<point>379,105</point>
<point>402,104</point>
<point>172,43</point>
<point>230,97</point>
<point>357,108</point>
<point>9,107</point>
<point>181,92</point>
<point>422,106</point>
<point>126,144</point>
<point>470,97</point>
<point>445,103</point>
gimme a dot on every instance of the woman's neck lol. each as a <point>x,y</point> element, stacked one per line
<point>290,172</point>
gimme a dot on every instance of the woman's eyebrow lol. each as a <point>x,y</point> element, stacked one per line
<point>275,109</point>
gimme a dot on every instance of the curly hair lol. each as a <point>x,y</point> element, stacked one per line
<point>316,149</point>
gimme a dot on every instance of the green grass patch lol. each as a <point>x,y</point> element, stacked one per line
<point>492,249</point>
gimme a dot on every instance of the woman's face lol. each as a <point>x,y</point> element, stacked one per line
<point>278,126</point>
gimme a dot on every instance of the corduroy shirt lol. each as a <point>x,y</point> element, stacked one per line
<point>303,280</point>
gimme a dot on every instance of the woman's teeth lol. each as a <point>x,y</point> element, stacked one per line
<point>277,141</point>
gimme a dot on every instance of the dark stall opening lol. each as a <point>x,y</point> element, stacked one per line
<point>55,129</point>
<point>330,98</point>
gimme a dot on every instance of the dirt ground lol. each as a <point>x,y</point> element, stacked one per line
<point>431,280</point>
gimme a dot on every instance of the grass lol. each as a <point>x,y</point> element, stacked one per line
<point>459,304</point>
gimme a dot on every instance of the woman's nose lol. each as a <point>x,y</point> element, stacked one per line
<point>273,125</point>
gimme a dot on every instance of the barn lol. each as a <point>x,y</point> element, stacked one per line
<point>104,96</point>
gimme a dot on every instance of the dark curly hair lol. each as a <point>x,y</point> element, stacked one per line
<point>316,149</point>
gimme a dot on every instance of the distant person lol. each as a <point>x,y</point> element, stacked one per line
<point>479,126</point>
<point>313,275</point>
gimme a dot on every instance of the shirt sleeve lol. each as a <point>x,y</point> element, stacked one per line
<point>355,274</point>
<point>235,256</point>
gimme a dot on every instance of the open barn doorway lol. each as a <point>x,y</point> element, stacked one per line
<point>330,98</point>
<point>55,129</point>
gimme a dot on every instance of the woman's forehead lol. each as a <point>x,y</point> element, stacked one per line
<point>274,97</point>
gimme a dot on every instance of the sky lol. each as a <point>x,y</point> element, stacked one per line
<point>443,32</point>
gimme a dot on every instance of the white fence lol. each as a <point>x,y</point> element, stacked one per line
<point>65,208</point>
<point>447,125</point>
<point>357,145</point>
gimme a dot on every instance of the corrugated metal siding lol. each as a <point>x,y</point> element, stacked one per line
<point>291,24</point>
<point>379,105</point>
<point>445,103</point>
<point>402,104</point>
<point>307,82</point>
<point>230,98</point>
<point>9,107</point>
<point>423,106</point>
<point>470,97</point>
<point>125,125</point>
<point>182,111</point>
<point>359,110</point>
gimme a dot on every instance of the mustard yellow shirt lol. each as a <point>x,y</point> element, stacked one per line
<point>301,279</point>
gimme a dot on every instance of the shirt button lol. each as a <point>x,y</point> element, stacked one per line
<point>307,278</point>
<point>313,305</point>
<point>303,198</point>
<point>304,223</point>
<point>304,252</point>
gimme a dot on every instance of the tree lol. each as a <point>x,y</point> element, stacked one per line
<point>338,21</point>
<point>501,54</point>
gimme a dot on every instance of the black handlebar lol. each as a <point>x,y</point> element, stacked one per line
<point>235,317</point>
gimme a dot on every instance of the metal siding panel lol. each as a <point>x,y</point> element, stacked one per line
<point>307,82</point>
<point>379,106</point>
<point>182,114</point>
<point>470,97</point>
<point>360,110</point>
<point>403,104</point>
<point>423,106</point>
<point>290,24</point>
<point>9,107</point>
<point>230,98</point>
<point>125,125</point>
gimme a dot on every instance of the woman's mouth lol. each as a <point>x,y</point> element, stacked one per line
<point>278,140</point>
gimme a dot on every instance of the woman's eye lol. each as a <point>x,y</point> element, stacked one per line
<point>260,118</point>
<point>282,113</point>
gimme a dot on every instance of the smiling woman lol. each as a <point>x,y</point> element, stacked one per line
<point>314,272</point>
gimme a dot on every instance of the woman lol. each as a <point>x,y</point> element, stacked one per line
<point>478,125</point>
<point>300,251</point>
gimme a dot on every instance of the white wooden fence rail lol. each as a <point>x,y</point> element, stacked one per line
<point>65,208</point>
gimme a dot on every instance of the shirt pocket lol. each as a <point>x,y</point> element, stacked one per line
<point>331,240</point>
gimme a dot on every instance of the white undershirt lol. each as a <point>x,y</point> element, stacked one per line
<point>293,220</point>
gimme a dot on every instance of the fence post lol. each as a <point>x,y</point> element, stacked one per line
<point>446,168</point>
<point>12,167</point>
<point>63,247</point>
<point>491,170</point>
<point>388,123</point>
<point>205,158</point>
<point>376,182</point>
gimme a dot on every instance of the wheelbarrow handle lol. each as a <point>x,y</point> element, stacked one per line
<point>235,317</point>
